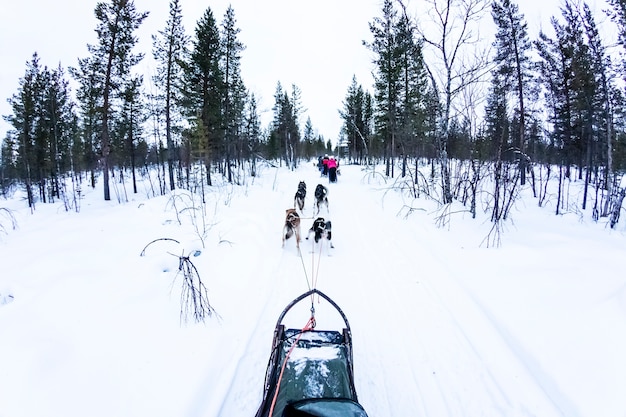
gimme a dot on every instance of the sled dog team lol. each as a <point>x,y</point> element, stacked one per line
<point>321,227</point>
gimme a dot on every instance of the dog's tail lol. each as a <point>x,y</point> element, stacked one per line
<point>288,233</point>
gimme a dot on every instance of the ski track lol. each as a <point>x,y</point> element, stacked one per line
<point>388,316</point>
<point>542,380</point>
<point>382,319</point>
<point>503,352</point>
<point>486,348</point>
<point>233,392</point>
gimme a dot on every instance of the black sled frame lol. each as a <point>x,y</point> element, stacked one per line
<point>310,372</point>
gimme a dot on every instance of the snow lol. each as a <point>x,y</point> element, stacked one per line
<point>442,325</point>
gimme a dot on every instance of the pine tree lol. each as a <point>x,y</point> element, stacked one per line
<point>415,89</point>
<point>89,96</point>
<point>618,16</point>
<point>498,133</point>
<point>58,119</point>
<point>252,131</point>
<point>169,50</point>
<point>285,133</point>
<point>235,92</point>
<point>357,121</point>
<point>24,121</point>
<point>602,68</point>
<point>42,130</point>
<point>129,125</point>
<point>572,93</point>
<point>113,58</point>
<point>308,137</point>
<point>387,78</point>
<point>204,85</point>
<point>513,49</point>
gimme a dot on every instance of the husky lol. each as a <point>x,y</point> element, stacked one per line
<point>292,226</point>
<point>322,230</point>
<point>298,200</point>
<point>321,198</point>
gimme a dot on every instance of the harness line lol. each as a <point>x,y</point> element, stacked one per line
<point>317,270</point>
<point>314,271</point>
<point>310,325</point>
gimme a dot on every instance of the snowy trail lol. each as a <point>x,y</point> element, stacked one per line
<point>377,289</point>
<point>399,316</point>
<point>405,321</point>
<point>278,279</point>
<point>283,279</point>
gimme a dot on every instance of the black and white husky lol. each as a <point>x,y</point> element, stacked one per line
<point>298,199</point>
<point>322,230</point>
<point>321,198</point>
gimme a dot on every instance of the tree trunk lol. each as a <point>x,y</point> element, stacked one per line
<point>617,208</point>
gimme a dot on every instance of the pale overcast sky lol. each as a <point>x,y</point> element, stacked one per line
<point>316,45</point>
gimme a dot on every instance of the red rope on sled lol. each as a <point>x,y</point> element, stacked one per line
<point>310,325</point>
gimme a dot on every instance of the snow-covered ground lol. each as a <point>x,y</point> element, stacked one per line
<point>441,325</point>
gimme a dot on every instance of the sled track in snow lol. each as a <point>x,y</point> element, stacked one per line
<point>248,362</point>
<point>279,279</point>
<point>382,283</point>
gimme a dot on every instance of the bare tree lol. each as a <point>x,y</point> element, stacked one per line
<point>459,60</point>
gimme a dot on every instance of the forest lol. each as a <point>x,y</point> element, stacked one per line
<point>451,117</point>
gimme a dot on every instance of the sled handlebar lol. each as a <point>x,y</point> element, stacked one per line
<point>305,295</point>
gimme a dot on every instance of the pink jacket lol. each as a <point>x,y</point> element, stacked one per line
<point>332,163</point>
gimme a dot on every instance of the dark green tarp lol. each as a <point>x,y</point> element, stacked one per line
<point>317,368</point>
<point>323,407</point>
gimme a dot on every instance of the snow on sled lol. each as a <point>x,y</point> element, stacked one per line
<point>310,371</point>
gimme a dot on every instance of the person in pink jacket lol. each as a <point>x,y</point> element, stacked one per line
<point>332,169</point>
<point>325,165</point>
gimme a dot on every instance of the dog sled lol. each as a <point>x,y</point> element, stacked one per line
<point>310,372</point>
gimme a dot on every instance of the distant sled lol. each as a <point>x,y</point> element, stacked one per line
<point>310,372</point>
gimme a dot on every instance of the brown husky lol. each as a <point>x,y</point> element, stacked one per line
<point>292,226</point>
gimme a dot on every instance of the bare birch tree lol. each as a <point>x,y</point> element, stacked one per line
<point>458,60</point>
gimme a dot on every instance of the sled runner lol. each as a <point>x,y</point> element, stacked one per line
<point>310,372</point>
